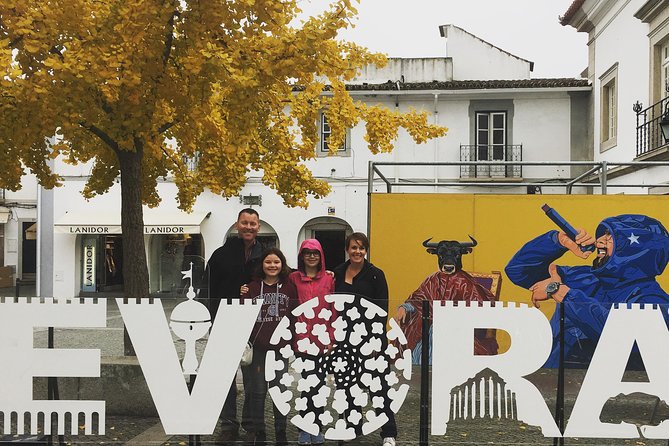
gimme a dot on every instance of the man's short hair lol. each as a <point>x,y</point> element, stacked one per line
<point>248,211</point>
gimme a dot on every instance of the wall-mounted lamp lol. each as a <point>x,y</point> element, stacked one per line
<point>664,124</point>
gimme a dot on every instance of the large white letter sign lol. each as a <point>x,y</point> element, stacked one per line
<point>466,385</point>
<point>603,379</point>
<point>182,412</point>
<point>22,362</point>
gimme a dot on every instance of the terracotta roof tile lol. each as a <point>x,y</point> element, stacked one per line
<point>469,85</point>
<point>569,14</point>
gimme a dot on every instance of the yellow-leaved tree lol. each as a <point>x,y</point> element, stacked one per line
<point>139,86</point>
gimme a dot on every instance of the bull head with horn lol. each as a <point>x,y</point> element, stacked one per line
<point>449,253</point>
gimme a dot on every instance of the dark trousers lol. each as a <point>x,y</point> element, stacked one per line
<point>255,394</point>
<point>390,428</point>
<point>229,414</point>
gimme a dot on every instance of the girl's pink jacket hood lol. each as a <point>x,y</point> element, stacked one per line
<point>310,287</point>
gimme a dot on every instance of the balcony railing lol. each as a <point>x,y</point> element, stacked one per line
<point>485,155</point>
<point>648,133</point>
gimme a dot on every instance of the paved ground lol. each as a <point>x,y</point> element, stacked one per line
<point>140,431</point>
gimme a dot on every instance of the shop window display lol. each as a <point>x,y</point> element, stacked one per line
<point>171,254</point>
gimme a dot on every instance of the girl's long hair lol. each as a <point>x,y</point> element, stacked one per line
<point>285,270</point>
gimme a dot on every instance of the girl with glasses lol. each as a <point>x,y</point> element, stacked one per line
<point>312,281</point>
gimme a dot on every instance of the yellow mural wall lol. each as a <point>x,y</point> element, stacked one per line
<point>501,224</point>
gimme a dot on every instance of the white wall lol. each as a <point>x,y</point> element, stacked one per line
<point>476,59</point>
<point>620,38</point>
<point>27,193</point>
<point>412,70</point>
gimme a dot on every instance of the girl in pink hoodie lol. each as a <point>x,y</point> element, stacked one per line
<point>312,280</point>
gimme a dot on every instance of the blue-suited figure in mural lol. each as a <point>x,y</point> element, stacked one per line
<point>630,251</point>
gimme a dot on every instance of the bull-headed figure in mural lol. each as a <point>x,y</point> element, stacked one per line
<point>630,251</point>
<point>450,282</point>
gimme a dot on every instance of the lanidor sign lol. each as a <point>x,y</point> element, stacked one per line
<point>116,229</point>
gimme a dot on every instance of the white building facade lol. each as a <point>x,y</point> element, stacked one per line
<point>628,68</point>
<point>494,111</point>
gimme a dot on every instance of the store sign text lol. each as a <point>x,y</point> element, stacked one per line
<point>89,264</point>
<point>114,229</point>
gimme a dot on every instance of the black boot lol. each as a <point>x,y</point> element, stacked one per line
<point>281,438</point>
<point>261,439</point>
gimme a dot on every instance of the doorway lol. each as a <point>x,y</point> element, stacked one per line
<point>331,232</point>
<point>332,241</point>
<point>28,253</point>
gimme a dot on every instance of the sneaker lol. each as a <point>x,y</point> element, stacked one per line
<point>317,439</point>
<point>303,438</point>
<point>389,441</point>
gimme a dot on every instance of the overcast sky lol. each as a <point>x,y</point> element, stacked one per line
<point>526,28</point>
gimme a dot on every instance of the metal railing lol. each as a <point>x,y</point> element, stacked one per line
<point>648,132</point>
<point>594,174</point>
<point>484,155</point>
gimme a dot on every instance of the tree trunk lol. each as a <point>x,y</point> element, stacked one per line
<point>135,270</point>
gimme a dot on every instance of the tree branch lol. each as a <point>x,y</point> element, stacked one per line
<point>102,135</point>
<point>55,50</point>
<point>165,127</point>
<point>169,37</point>
<point>176,163</point>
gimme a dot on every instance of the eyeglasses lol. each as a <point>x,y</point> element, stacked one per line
<point>311,254</point>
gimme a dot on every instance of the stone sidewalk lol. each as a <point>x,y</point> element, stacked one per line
<point>147,430</point>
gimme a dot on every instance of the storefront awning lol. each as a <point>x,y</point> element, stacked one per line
<point>31,232</point>
<point>155,222</point>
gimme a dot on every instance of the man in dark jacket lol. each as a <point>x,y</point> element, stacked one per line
<point>631,250</point>
<point>228,268</point>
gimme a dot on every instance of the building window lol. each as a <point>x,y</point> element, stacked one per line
<point>609,108</point>
<point>172,254</point>
<point>491,139</point>
<point>325,131</point>
<point>191,162</point>
<point>490,136</point>
<point>665,71</point>
<point>101,263</point>
<point>490,142</point>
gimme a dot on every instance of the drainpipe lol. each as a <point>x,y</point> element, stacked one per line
<point>396,169</point>
<point>436,142</point>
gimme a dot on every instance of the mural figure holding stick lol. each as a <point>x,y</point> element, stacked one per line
<point>630,251</point>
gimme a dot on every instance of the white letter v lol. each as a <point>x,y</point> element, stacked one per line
<point>182,412</point>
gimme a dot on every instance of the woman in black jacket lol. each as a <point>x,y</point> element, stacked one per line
<point>358,276</point>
